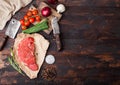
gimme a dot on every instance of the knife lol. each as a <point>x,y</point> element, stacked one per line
<point>56,32</point>
<point>11,31</point>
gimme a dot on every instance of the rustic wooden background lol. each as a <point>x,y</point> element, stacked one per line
<point>90,33</point>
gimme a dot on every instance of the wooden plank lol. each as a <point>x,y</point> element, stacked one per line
<point>93,3</point>
<point>90,35</point>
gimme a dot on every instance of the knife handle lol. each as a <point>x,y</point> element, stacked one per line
<point>3,41</point>
<point>58,42</point>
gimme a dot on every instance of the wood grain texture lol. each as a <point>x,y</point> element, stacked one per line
<point>90,34</point>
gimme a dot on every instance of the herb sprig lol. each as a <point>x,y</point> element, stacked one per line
<point>13,63</point>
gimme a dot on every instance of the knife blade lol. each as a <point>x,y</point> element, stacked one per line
<point>11,31</point>
<point>56,32</point>
<point>12,28</point>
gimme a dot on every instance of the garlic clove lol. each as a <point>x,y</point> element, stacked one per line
<point>60,8</point>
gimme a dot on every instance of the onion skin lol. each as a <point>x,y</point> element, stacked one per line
<point>46,11</point>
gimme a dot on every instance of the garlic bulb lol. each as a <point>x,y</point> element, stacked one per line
<point>60,8</point>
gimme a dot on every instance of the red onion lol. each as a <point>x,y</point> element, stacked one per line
<point>46,11</point>
<point>52,1</point>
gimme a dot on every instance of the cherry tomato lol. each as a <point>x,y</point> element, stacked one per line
<point>27,23</point>
<point>29,13</point>
<point>26,17</point>
<point>23,27</point>
<point>22,22</point>
<point>37,18</point>
<point>35,12</point>
<point>32,19</point>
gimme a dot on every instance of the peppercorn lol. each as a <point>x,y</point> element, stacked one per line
<point>49,73</point>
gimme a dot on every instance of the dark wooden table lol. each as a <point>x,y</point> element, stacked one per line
<point>90,33</point>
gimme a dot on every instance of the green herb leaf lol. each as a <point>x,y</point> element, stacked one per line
<point>13,56</point>
<point>38,27</point>
<point>13,62</point>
